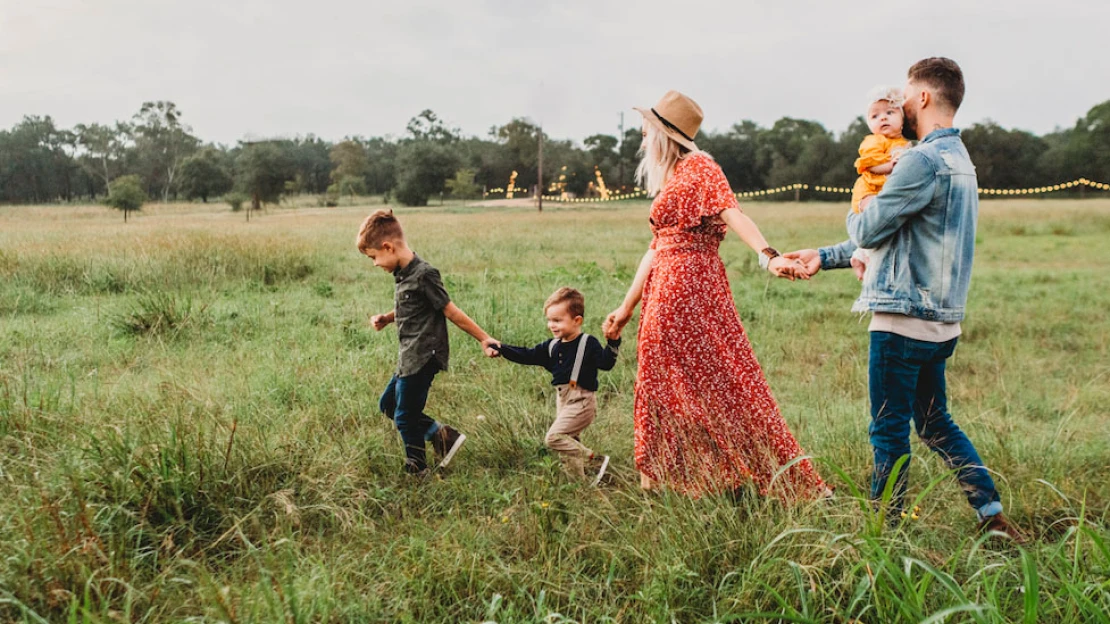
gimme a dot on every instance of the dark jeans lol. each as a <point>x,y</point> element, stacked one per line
<point>403,401</point>
<point>907,383</point>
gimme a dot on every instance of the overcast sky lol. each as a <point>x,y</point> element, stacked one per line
<point>337,68</point>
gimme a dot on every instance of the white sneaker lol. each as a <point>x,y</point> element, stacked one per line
<point>601,470</point>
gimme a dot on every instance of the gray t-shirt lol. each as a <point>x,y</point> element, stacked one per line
<point>418,306</point>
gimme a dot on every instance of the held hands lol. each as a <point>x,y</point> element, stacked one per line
<point>491,347</point>
<point>615,322</point>
<point>789,268</point>
<point>810,260</point>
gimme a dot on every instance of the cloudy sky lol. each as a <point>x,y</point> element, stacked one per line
<point>337,68</point>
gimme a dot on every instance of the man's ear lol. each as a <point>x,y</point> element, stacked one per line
<point>388,247</point>
<point>925,97</point>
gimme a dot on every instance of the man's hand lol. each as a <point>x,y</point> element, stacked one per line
<point>788,268</point>
<point>380,321</point>
<point>615,322</point>
<point>809,258</point>
<point>865,202</point>
<point>491,346</point>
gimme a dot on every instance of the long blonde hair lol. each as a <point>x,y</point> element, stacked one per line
<point>659,154</point>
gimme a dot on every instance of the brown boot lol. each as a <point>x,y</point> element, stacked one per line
<point>998,524</point>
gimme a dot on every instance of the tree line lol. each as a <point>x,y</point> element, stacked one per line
<point>156,154</point>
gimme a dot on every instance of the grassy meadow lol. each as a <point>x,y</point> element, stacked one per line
<point>189,429</point>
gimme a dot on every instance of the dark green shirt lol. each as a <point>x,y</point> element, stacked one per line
<point>418,311</point>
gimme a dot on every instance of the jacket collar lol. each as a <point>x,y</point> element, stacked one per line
<point>940,133</point>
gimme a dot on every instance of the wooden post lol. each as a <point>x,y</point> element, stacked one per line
<point>539,174</point>
<point>797,195</point>
<point>620,155</point>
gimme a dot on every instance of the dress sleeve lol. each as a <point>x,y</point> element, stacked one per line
<point>715,193</point>
<point>703,192</point>
<point>872,151</point>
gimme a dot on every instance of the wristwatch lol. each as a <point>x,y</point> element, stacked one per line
<point>765,256</point>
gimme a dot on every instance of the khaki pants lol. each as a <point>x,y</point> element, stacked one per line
<point>575,409</point>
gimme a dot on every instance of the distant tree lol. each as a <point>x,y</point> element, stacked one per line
<point>204,175</point>
<point>741,153</point>
<point>103,149</point>
<point>348,158</point>
<point>427,126</point>
<point>350,185</point>
<point>422,169</point>
<point>261,171</point>
<point>462,186</point>
<point>1005,158</point>
<point>36,164</point>
<point>126,193</point>
<point>162,142</point>
<point>629,150</point>
<point>381,171</point>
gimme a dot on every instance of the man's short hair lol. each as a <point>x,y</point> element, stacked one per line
<point>576,303</point>
<point>379,228</point>
<point>945,78</point>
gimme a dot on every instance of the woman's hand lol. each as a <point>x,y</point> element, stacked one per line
<point>615,322</point>
<point>791,269</point>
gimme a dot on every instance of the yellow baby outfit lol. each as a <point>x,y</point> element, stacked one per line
<point>875,149</point>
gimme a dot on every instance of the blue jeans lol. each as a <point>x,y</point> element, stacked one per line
<point>403,402</point>
<point>907,383</point>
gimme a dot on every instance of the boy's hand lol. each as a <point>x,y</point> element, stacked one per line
<point>858,267</point>
<point>615,322</point>
<point>380,321</point>
<point>859,263</point>
<point>491,346</point>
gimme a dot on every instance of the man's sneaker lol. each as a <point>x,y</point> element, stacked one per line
<point>998,524</point>
<point>599,463</point>
<point>446,442</point>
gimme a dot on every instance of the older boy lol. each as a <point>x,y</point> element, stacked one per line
<point>573,358</point>
<point>421,310</point>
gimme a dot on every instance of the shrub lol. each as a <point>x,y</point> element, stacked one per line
<point>126,193</point>
<point>235,200</point>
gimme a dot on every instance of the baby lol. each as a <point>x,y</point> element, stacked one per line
<point>878,154</point>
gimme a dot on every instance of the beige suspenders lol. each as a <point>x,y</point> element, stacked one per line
<point>578,357</point>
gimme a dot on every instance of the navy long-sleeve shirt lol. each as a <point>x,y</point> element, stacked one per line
<point>560,360</point>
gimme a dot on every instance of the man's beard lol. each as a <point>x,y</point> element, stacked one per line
<point>909,125</point>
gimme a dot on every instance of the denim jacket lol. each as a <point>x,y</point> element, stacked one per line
<point>921,232</point>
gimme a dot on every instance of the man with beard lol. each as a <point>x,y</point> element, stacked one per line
<point>921,228</point>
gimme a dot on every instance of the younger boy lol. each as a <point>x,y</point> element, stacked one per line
<point>421,309</point>
<point>573,358</point>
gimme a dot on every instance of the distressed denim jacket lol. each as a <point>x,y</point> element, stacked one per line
<point>921,232</point>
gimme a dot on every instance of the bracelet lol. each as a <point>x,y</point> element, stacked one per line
<point>765,257</point>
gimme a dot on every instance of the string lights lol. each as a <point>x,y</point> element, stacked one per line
<point>838,190</point>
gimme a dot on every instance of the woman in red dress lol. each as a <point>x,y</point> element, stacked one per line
<point>705,419</point>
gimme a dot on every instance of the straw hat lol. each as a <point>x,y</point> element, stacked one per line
<point>677,116</point>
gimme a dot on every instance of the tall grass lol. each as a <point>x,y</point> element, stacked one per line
<point>189,432</point>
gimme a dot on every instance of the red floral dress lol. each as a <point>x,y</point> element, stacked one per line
<point>705,420</point>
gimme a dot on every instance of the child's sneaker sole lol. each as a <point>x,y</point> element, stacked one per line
<point>451,451</point>
<point>601,471</point>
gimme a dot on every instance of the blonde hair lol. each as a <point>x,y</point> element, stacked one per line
<point>378,228</point>
<point>576,303</point>
<point>884,93</point>
<point>659,155</point>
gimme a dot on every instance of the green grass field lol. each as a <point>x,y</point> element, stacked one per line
<point>189,430</point>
